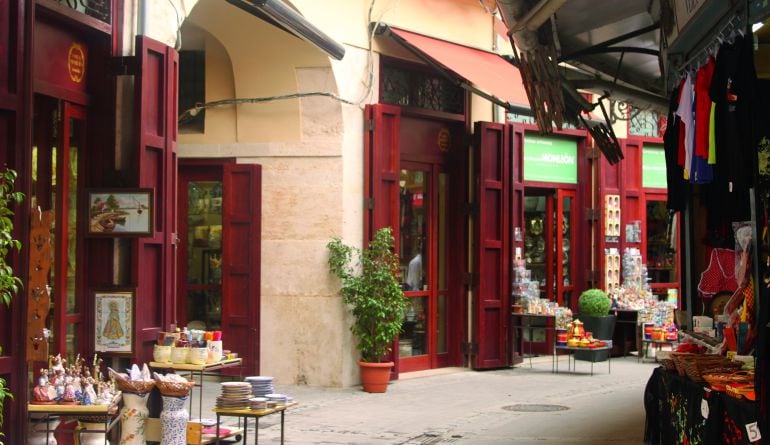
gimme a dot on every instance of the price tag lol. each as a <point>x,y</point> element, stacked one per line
<point>704,409</point>
<point>752,431</point>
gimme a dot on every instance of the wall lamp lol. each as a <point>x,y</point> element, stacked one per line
<point>279,14</point>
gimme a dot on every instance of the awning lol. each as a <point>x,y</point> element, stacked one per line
<point>278,14</point>
<point>484,73</point>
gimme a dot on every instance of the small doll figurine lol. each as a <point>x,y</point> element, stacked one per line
<point>40,393</point>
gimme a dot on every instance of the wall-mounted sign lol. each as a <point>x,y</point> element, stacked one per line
<point>654,167</point>
<point>76,62</point>
<point>550,159</point>
<point>443,139</point>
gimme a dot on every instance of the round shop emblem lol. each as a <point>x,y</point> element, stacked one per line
<point>76,62</point>
<point>443,139</point>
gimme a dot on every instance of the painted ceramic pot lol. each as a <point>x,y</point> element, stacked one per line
<point>179,355</point>
<point>161,354</point>
<point>37,431</point>
<point>90,433</point>
<point>198,356</point>
<point>173,421</point>
<point>132,418</point>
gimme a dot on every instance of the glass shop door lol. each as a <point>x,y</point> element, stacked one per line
<point>423,340</point>
<point>549,219</point>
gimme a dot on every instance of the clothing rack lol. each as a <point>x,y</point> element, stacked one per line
<point>721,31</point>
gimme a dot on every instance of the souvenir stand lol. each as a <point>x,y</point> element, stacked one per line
<point>713,388</point>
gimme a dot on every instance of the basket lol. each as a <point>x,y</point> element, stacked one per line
<point>718,381</point>
<point>668,363</point>
<point>678,359</point>
<point>697,365</point>
<point>174,389</point>
<point>135,386</point>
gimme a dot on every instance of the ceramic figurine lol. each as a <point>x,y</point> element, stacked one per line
<point>40,394</point>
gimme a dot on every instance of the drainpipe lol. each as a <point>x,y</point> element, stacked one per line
<point>144,14</point>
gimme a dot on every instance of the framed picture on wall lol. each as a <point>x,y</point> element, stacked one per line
<point>114,321</point>
<point>123,212</point>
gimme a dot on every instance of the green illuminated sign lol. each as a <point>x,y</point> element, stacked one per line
<point>550,159</point>
<point>654,167</point>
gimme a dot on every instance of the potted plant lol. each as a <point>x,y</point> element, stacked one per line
<point>371,286</point>
<point>9,283</point>
<point>594,312</point>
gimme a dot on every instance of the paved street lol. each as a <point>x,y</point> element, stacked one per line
<point>460,406</point>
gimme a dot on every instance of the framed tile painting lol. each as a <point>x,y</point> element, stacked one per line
<point>114,321</point>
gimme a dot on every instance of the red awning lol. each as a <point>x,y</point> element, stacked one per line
<point>486,71</point>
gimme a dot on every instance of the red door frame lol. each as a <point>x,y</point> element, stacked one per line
<point>188,174</point>
<point>62,318</point>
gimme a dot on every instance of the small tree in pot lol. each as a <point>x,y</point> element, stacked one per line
<point>594,308</point>
<point>371,286</point>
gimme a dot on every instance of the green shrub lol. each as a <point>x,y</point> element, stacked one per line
<point>594,303</point>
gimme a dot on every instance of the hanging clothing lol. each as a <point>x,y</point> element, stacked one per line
<point>719,276</point>
<point>702,172</point>
<point>674,171</point>
<point>684,111</point>
<point>732,90</point>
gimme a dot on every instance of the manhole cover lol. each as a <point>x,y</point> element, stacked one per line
<point>535,408</point>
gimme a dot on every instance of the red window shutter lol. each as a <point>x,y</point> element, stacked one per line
<point>241,254</point>
<point>382,170</point>
<point>492,251</point>
<point>155,162</point>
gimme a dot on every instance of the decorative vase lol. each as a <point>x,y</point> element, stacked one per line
<point>37,430</point>
<point>132,418</point>
<point>375,376</point>
<point>179,354</point>
<point>198,356</point>
<point>173,421</point>
<point>90,433</point>
<point>161,354</point>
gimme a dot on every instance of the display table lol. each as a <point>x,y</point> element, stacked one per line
<point>256,414</point>
<point>656,345</point>
<point>524,322</point>
<point>682,411</point>
<point>103,414</point>
<point>592,352</point>
<point>625,337</point>
<point>200,371</point>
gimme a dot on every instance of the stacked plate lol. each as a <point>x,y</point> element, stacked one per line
<point>277,399</point>
<point>235,395</point>
<point>258,402</point>
<point>260,385</point>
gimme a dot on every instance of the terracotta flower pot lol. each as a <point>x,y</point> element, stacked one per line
<point>375,376</point>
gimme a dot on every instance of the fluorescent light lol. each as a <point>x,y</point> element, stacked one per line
<point>755,27</point>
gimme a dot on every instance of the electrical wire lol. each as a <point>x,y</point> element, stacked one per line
<point>369,83</point>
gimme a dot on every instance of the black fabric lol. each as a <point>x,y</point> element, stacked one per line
<point>674,414</point>
<point>674,172</point>
<point>732,90</point>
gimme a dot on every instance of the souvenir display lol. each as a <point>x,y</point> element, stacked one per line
<point>74,384</point>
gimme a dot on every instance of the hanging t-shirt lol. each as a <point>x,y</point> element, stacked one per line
<point>686,115</point>
<point>703,108</point>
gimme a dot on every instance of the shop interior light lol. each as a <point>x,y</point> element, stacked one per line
<point>755,27</point>
<point>278,13</point>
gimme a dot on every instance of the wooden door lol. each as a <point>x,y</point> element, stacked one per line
<point>491,245</point>
<point>241,260</point>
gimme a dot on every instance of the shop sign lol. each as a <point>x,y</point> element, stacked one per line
<point>550,159</point>
<point>654,167</point>
<point>443,139</point>
<point>60,60</point>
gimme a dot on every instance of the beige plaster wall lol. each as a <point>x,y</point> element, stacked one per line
<point>311,151</point>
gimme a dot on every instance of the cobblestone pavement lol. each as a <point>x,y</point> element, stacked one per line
<point>517,406</point>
